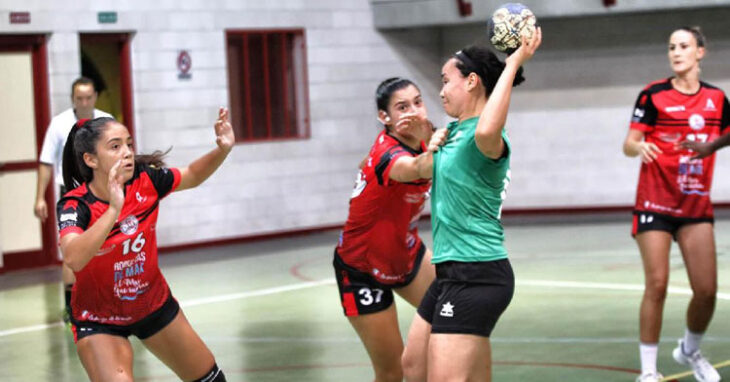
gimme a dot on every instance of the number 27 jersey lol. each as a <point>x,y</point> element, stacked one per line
<point>122,283</point>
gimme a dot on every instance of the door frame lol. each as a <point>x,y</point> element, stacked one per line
<point>36,44</point>
<point>123,39</point>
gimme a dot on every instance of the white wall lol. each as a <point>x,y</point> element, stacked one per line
<point>567,122</point>
<point>262,187</point>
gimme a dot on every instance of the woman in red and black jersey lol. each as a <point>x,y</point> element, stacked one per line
<point>379,249</point>
<point>108,238</point>
<point>673,197</point>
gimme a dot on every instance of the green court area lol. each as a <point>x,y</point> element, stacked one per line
<point>269,310</point>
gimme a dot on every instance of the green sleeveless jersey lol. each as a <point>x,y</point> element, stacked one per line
<point>466,198</point>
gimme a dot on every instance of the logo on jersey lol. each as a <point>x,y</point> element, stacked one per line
<point>67,217</point>
<point>639,113</point>
<point>710,106</point>
<point>671,109</point>
<point>447,310</point>
<point>696,122</point>
<point>103,251</point>
<point>140,199</point>
<point>129,225</point>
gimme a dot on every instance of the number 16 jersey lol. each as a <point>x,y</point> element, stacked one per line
<point>121,284</point>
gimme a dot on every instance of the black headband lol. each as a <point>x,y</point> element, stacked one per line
<point>470,66</point>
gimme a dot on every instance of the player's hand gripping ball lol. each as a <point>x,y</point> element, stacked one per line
<point>508,24</point>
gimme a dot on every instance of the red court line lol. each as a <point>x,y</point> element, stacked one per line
<point>295,269</point>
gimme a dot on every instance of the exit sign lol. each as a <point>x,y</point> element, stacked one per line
<point>19,17</point>
<point>107,17</point>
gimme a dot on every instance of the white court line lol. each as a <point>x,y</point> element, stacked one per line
<point>310,284</point>
<point>608,286</point>
<point>27,329</point>
<point>255,293</point>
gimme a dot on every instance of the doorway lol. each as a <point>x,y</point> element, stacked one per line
<point>106,59</point>
<point>24,104</point>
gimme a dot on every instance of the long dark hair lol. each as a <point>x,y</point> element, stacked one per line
<point>486,64</point>
<point>82,139</point>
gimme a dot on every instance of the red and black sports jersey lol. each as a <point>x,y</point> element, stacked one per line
<point>122,283</point>
<point>380,236</point>
<point>675,184</point>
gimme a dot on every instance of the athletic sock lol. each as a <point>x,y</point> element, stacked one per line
<point>691,342</point>
<point>647,354</point>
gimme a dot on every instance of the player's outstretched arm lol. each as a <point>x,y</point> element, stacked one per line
<point>408,169</point>
<point>202,168</point>
<point>488,135</point>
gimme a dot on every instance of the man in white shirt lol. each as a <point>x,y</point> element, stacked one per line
<point>83,98</point>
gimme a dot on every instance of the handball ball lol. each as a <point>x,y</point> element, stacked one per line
<point>508,24</point>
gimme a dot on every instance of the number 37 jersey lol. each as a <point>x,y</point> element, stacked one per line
<point>380,237</point>
<point>675,184</point>
<point>122,283</point>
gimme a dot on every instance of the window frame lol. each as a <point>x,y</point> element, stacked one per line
<point>239,95</point>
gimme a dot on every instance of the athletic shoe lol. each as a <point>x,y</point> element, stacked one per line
<point>650,377</point>
<point>703,370</point>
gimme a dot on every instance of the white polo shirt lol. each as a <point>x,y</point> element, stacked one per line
<point>55,139</point>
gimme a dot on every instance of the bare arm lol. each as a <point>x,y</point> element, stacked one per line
<point>202,168</point>
<point>408,169</point>
<point>488,135</point>
<point>79,249</point>
<point>704,149</point>
<point>44,177</point>
<point>636,145</point>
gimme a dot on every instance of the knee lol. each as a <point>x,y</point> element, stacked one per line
<point>656,289</point>
<point>413,370</point>
<point>123,376</point>
<point>706,295</point>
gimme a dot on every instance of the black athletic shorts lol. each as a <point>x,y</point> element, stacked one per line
<point>650,221</point>
<point>468,298</point>
<point>361,293</point>
<point>144,328</point>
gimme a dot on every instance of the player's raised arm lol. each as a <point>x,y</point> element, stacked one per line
<point>202,168</point>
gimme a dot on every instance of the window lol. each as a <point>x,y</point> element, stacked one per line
<point>267,81</point>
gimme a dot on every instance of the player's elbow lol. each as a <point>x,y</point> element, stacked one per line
<point>72,263</point>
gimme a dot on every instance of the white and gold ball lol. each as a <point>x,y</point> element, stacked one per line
<point>508,24</point>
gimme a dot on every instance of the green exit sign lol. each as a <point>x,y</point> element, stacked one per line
<point>107,17</point>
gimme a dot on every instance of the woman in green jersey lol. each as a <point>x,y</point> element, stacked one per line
<point>449,337</point>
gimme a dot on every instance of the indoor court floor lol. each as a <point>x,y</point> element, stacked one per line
<point>269,310</point>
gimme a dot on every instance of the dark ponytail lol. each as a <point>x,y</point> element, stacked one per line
<point>83,138</point>
<point>486,64</point>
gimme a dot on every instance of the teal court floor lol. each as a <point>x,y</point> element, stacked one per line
<point>269,310</point>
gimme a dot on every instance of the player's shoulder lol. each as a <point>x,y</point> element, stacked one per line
<point>386,143</point>
<point>64,118</point>
<point>658,86</point>
<point>712,88</point>
<point>78,196</point>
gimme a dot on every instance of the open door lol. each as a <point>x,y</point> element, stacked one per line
<point>106,59</point>
<point>24,105</point>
